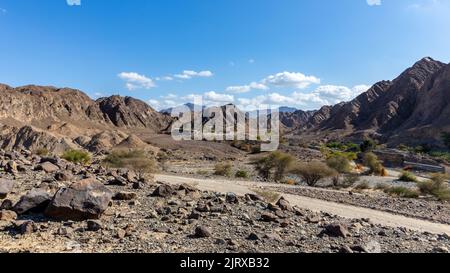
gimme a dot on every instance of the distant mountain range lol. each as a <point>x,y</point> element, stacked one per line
<point>412,109</point>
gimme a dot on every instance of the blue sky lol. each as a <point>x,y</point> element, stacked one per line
<point>302,53</point>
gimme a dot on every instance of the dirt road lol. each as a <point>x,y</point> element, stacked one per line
<point>347,211</point>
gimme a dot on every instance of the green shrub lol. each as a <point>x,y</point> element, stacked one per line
<point>402,192</point>
<point>340,163</point>
<point>374,165</point>
<point>407,177</point>
<point>312,172</point>
<point>136,160</point>
<point>368,145</point>
<point>223,169</point>
<point>276,164</point>
<point>437,187</point>
<point>242,174</point>
<point>441,155</point>
<point>77,156</point>
<point>42,152</point>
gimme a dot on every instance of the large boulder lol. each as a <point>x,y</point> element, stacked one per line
<point>34,201</point>
<point>85,199</point>
<point>6,186</point>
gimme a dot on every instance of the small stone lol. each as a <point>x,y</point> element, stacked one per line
<point>27,227</point>
<point>232,198</point>
<point>63,176</point>
<point>6,205</point>
<point>47,167</point>
<point>441,249</point>
<point>268,217</point>
<point>284,204</point>
<point>314,219</point>
<point>202,232</point>
<point>121,234</point>
<point>125,196</point>
<point>253,237</point>
<point>6,187</point>
<point>163,191</point>
<point>336,230</point>
<point>7,215</point>
<point>273,237</point>
<point>94,225</point>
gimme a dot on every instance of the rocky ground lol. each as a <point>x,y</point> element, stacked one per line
<point>417,208</point>
<point>49,205</point>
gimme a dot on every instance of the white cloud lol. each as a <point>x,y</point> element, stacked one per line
<point>189,74</point>
<point>135,81</point>
<point>166,78</point>
<point>217,97</point>
<point>374,2</point>
<point>291,79</point>
<point>73,2</point>
<point>247,88</point>
<point>323,95</point>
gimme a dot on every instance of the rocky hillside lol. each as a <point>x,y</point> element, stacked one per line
<point>414,104</point>
<point>33,117</point>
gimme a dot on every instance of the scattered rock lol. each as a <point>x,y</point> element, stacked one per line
<point>86,199</point>
<point>7,215</point>
<point>268,217</point>
<point>336,230</point>
<point>93,225</point>
<point>27,227</point>
<point>35,201</point>
<point>47,167</point>
<point>63,176</point>
<point>284,204</point>
<point>232,198</point>
<point>202,232</point>
<point>124,196</point>
<point>6,205</point>
<point>6,187</point>
<point>163,191</point>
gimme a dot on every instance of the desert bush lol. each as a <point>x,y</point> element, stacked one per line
<point>77,156</point>
<point>223,169</point>
<point>368,145</point>
<point>242,174</point>
<point>136,160</point>
<point>437,187</point>
<point>362,186</point>
<point>350,180</point>
<point>312,172</point>
<point>42,152</point>
<point>268,196</point>
<point>339,163</point>
<point>402,192</point>
<point>406,176</point>
<point>276,164</point>
<point>290,182</point>
<point>374,164</point>
<point>382,187</point>
<point>202,172</point>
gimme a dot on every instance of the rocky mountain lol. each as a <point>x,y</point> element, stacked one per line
<point>414,104</point>
<point>33,117</point>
